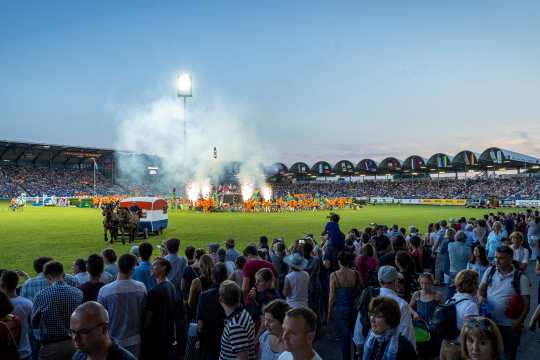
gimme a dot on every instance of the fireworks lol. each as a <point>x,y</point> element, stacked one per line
<point>266,192</point>
<point>206,189</point>
<point>247,191</point>
<point>192,191</point>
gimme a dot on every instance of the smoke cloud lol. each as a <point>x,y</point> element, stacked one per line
<point>158,129</point>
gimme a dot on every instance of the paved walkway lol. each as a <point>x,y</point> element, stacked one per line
<point>329,347</point>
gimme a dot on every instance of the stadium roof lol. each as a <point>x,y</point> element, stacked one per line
<point>24,153</point>
<point>493,158</point>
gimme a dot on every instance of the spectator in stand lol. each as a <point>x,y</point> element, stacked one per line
<point>143,271</point>
<point>271,344</point>
<point>10,329</point>
<point>389,258</point>
<point>200,284</point>
<point>238,339</point>
<point>39,282</point>
<point>191,272</point>
<point>388,277</point>
<point>481,339</point>
<point>190,254</point>
<point>480,232</point>
<point>211,317</point>
<point>297,281</point>
<point>91,288</point>
<point>212,252</point>
<point>124,299</point>
<point>466,284</point>
<point>366,264</point>
<point>263,292</point>
<point>22,308</point>
<point>407,283</point>
<point>417,253</point>
<point>478,261</point>
<point>282,269</point>
<point>344,286</point>
<point>521,254</point>
<point>459,254</point>
<point>79,271</point>
<point>313,268</point>
<point>253,264</point>
<point>178,264</point>
<point>158,325</point>
<point>89,327</point>
<point>232,253</point>
<point>51,313</point>
<point>336,241</point>
<point>299,328</point>
<point>109,259</point>
<point>444,255</point>
<point>381,241</point>
<point>384,340</point>
<point>469,232</point>
<point>494,240</point>
<point>533,234</point>
<point>238,275</point>
<point>498,287</point>
<point>423,303</point>
<point>263,245</point>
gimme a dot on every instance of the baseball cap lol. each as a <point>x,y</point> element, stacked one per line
<point>387,274</point>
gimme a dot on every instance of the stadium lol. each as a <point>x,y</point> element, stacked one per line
<point>269,181</point>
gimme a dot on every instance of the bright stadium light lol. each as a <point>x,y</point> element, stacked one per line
<point>184,85</point>
<point>184,89</point>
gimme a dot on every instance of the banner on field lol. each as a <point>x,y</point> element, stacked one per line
<point>457,202</point>
<point>508,202</point>
<point>528,203</point>
<point>381,200</point>
<point>408,201</point>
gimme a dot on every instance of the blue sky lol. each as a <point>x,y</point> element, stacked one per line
<point>318,79</point>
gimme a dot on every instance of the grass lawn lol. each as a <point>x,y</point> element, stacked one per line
<point>68,233</point>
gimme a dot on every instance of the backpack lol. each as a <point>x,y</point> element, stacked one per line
<point>362,305</point>
<point>515,306</point>
<point>444,320</point>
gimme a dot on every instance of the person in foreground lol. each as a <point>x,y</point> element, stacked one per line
<point>481,339</point>
<point>238,339</point>
<point>384,340</point>
<point>299,329</point>
<point>89,326</point>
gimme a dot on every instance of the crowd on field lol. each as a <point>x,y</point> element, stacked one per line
<point>375,289</point>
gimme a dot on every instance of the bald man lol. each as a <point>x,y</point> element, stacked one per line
<point>89,326</point>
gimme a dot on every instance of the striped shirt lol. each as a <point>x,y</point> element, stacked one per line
<point>238,336</point>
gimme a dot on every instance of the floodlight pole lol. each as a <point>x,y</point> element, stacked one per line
<point>185,132</point>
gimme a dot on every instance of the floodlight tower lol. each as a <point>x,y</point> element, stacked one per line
<point>184,90</point>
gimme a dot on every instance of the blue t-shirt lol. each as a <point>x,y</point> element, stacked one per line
<point>336,237</point>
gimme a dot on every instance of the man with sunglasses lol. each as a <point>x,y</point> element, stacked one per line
<point>89,329</point>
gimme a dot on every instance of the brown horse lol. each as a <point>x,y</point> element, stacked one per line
<point>111,222</point>
<point>129,224</point>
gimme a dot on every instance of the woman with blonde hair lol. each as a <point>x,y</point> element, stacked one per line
<point>481,339</point>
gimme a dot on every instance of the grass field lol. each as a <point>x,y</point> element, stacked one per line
<point>69,233</point>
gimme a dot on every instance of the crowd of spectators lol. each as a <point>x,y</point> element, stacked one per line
<point>373,285</point>
<point>502,187</point>
<point>57,182</point>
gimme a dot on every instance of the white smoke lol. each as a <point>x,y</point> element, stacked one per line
<point>158,129</point>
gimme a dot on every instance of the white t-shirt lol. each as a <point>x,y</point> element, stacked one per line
<point>299,283</point>
<point>521,254</point>
<point>289,356</point>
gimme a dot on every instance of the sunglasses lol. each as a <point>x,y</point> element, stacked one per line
<point>478,322</point>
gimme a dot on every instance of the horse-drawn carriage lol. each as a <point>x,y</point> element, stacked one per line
<point>135,216</point>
